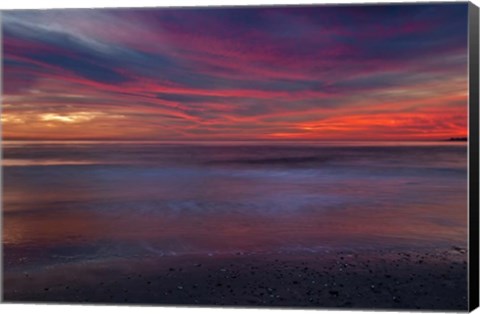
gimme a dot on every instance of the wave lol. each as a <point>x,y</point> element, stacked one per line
<point>276,161</point>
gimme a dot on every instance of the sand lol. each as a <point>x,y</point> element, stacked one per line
<point>381,279</point>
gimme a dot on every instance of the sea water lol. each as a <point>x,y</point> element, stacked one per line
<point>77,201</point>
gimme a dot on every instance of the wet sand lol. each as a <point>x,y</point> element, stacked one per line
<point>382,279</point>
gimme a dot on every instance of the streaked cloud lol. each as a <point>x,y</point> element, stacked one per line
<point>343,72</point>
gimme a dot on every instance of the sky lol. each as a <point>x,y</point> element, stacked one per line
<point>371,72</point>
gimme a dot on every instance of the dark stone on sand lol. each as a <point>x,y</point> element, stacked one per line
<point>372,279</point>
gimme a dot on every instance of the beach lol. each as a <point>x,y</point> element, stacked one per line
<point>369,225</point>
<point>432,280</point>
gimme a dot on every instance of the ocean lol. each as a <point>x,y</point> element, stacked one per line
<point>67,202</point>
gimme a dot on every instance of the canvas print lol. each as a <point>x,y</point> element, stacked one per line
<point>296,156</point>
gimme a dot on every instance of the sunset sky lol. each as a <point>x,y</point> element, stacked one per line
<point>342,73</point>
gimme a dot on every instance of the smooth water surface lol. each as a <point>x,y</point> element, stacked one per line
<point>74,201</point>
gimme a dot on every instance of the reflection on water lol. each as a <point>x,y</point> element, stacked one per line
<point>86,200</point>
<point>32,162</point>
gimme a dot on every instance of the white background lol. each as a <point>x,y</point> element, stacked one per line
<point>69,309</point>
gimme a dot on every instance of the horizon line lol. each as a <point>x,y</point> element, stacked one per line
<point>451,139</point>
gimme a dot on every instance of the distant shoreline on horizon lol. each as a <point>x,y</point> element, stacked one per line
<point>458,139</point>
